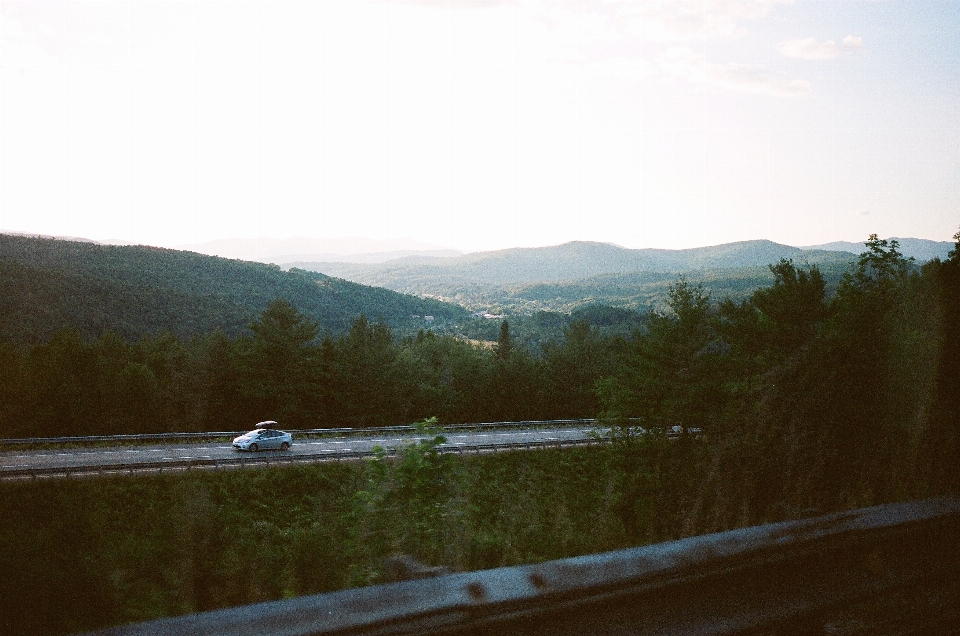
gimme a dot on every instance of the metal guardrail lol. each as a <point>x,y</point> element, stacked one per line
<point>343,432</point>
<point>269,459</point>
<point>786,576</point>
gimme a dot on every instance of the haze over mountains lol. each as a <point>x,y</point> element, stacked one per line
<point>920,249</point>
<point>291,250</point>
<point>569,261</point>
<point>46,283</point>
<point>297,251</point>
<point>563,277</point>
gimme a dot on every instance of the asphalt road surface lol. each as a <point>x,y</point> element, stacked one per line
<point>180,451</point>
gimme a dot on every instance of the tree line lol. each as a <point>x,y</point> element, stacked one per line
<point>286,371</point>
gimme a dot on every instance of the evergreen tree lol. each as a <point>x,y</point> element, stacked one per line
<point>943,442</point>
<point>792,307</point>
<point>281,365</point>
<point>504,345</point>
<point>367,390</point>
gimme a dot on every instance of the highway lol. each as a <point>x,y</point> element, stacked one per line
<point>307,448</point>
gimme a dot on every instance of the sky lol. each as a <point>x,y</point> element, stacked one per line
<point>481,124</point>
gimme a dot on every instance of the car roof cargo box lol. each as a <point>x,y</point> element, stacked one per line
<point>267,424</point>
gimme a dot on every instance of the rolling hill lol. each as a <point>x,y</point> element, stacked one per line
<point>563,277</point>
<point>919,249</point>
<point>566,262</point>
<point>135,291</point>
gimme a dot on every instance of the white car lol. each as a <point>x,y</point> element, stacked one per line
<point>263,439</point>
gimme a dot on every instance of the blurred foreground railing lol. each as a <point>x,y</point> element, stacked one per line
<point>783,577</point>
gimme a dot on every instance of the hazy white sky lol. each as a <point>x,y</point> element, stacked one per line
<point>481,124</point>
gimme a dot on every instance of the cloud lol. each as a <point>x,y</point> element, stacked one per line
<point>852,42</point>
<point>683,63</point>
<point>629,69</point>
<point>679,20</point>
<point>664,21</point>
<point>648,20</point>
<point>810,49</point>
<point>634,40</point>
<point>626,39</point>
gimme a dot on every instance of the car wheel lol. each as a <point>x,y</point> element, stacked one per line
<point>254,448</point>
<point>284,446</point>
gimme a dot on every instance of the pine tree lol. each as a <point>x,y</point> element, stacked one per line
<point>504,345</point>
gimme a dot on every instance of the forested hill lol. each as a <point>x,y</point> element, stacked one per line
<point>46,284</point>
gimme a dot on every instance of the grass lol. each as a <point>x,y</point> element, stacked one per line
<point>86,554</point>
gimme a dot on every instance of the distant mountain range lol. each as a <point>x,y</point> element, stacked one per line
<point>46,283</point>
<point>563,277</point>
<point>920,249</point>
<point>566,262</point>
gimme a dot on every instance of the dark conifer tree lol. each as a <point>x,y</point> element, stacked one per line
<point>504,345</point>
